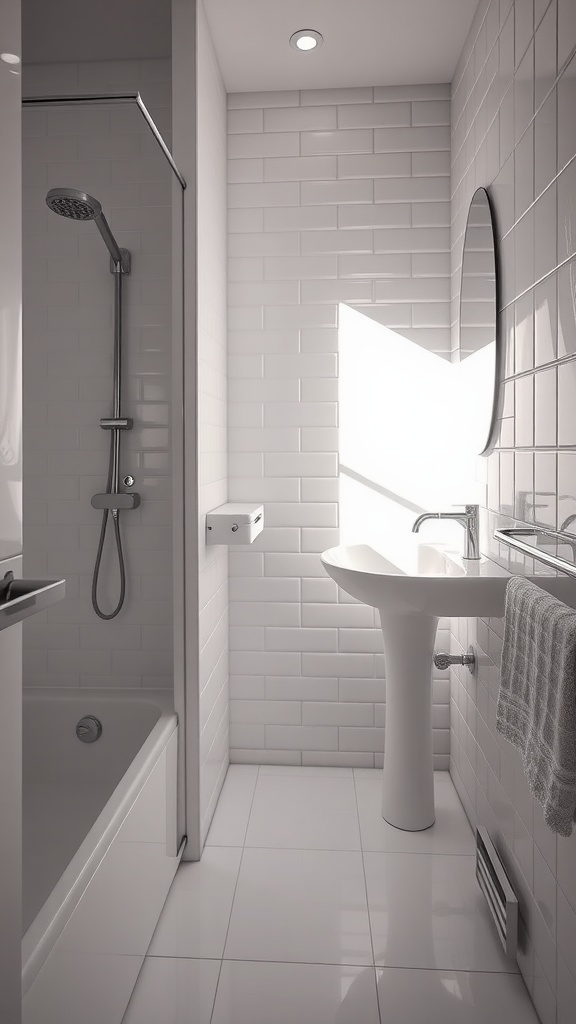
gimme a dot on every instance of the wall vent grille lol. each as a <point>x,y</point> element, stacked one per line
<point>500,896</point>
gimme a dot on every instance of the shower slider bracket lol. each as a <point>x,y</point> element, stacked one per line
<point>125,266</point>
<point>115,501</point>
<point>116,423</point>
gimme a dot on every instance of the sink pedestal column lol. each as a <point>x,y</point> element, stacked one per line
<point>408,798</point>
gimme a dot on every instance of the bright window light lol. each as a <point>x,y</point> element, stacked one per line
<point>10,58</point>
<point>306,39</point>
<point>403,444</point>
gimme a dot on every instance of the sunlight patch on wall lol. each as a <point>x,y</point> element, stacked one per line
<point>405,437</point>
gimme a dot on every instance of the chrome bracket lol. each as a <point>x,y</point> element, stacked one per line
<point>116,423</point>
<point>125,266</point>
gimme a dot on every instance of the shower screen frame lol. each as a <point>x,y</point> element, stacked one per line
<point>97,99</point>
<point>184,829</point>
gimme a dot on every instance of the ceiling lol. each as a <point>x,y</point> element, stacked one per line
<point>366,42</point>
<point>61,30</point>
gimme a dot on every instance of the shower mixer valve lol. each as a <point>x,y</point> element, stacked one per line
<point>115,500</point>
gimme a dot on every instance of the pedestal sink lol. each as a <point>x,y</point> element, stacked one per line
<point>412,589</point>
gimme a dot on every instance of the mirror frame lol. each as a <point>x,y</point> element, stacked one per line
<point>498,390</point>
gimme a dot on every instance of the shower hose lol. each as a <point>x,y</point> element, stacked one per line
<point>115,513</point>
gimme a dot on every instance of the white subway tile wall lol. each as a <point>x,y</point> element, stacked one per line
<point>212,419</point>
<point>513,104</point>
<point>67,351</point>
<point>335,195</point>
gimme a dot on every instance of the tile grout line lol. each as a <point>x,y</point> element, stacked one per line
<point>325,963</point>
<point>332,849</point>
<point>234,896</point>
<point>375,975</point>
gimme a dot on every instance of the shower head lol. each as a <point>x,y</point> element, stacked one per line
<point>76,205</point>
<point>71,203</point>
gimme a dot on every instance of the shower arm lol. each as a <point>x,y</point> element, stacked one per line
<point>114,249</point>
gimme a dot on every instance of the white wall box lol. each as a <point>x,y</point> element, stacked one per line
<point>234,523</point>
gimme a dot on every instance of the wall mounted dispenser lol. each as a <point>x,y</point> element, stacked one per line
<point>234,523</point>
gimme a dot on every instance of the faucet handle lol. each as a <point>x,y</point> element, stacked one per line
<point>472,510</point>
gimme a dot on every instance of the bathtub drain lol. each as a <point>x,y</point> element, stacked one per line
<point>89,729</point>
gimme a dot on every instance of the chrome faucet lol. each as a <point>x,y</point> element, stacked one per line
<point>468,519</point>
<point>567,522</point>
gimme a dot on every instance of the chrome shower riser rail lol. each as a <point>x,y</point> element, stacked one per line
<point>116,97</point>
<point>79,206</point>
<point>512,536</point>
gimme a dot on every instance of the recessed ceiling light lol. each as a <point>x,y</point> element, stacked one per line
<point>10,58</point>
<point>306,39</point>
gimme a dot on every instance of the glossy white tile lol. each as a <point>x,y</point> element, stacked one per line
<point>264,144</point>
<point>451,833</point>
<point>428,912</point>
<point>545,322</point>
<point>242,121</point>
<point>174,991</point>
<point>397,140</point>
<point>230,820</point>
<point>545,45</point>
<point>375,115</point>
<point>307,772</point>
<point>448,997</point>
<point>260,993</point>
<point>304,813</point>
<point>567,310</point>
<point>300,168</point>
<point>352,141</point>
<point>566,30</point>
<point>299,119</point>
<point>305,906</point>
<point>545,392</point>
<point>566,398</point>
<point>197,912</point>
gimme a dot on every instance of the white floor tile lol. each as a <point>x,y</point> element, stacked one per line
<point>450,833</point>
<point>305,906</point>
<point>304,814</point>
<point>260,993</point>
<point>306,771</point>
<point>230,819</point>
<point>428,912</point>
<point>172,991</point>
<point>196,915</point>
<point>449,997</point>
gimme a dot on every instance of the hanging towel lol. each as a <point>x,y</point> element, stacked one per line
<point>537,699</point>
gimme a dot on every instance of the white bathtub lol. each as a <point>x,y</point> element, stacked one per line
<point>100,848</point>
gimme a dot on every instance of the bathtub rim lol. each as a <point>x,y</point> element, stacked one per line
<point>44,930</point>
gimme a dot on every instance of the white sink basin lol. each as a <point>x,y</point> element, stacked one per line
<point>427,579</point>
<point>412,588</point>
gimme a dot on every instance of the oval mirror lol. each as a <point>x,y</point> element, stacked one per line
<point>479,349</point>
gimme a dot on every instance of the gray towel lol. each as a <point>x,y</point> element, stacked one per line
<point>537,699</point>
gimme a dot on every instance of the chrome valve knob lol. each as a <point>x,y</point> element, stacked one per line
<point>444,661</point>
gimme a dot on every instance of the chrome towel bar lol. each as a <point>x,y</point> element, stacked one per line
<point>514,537</point>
